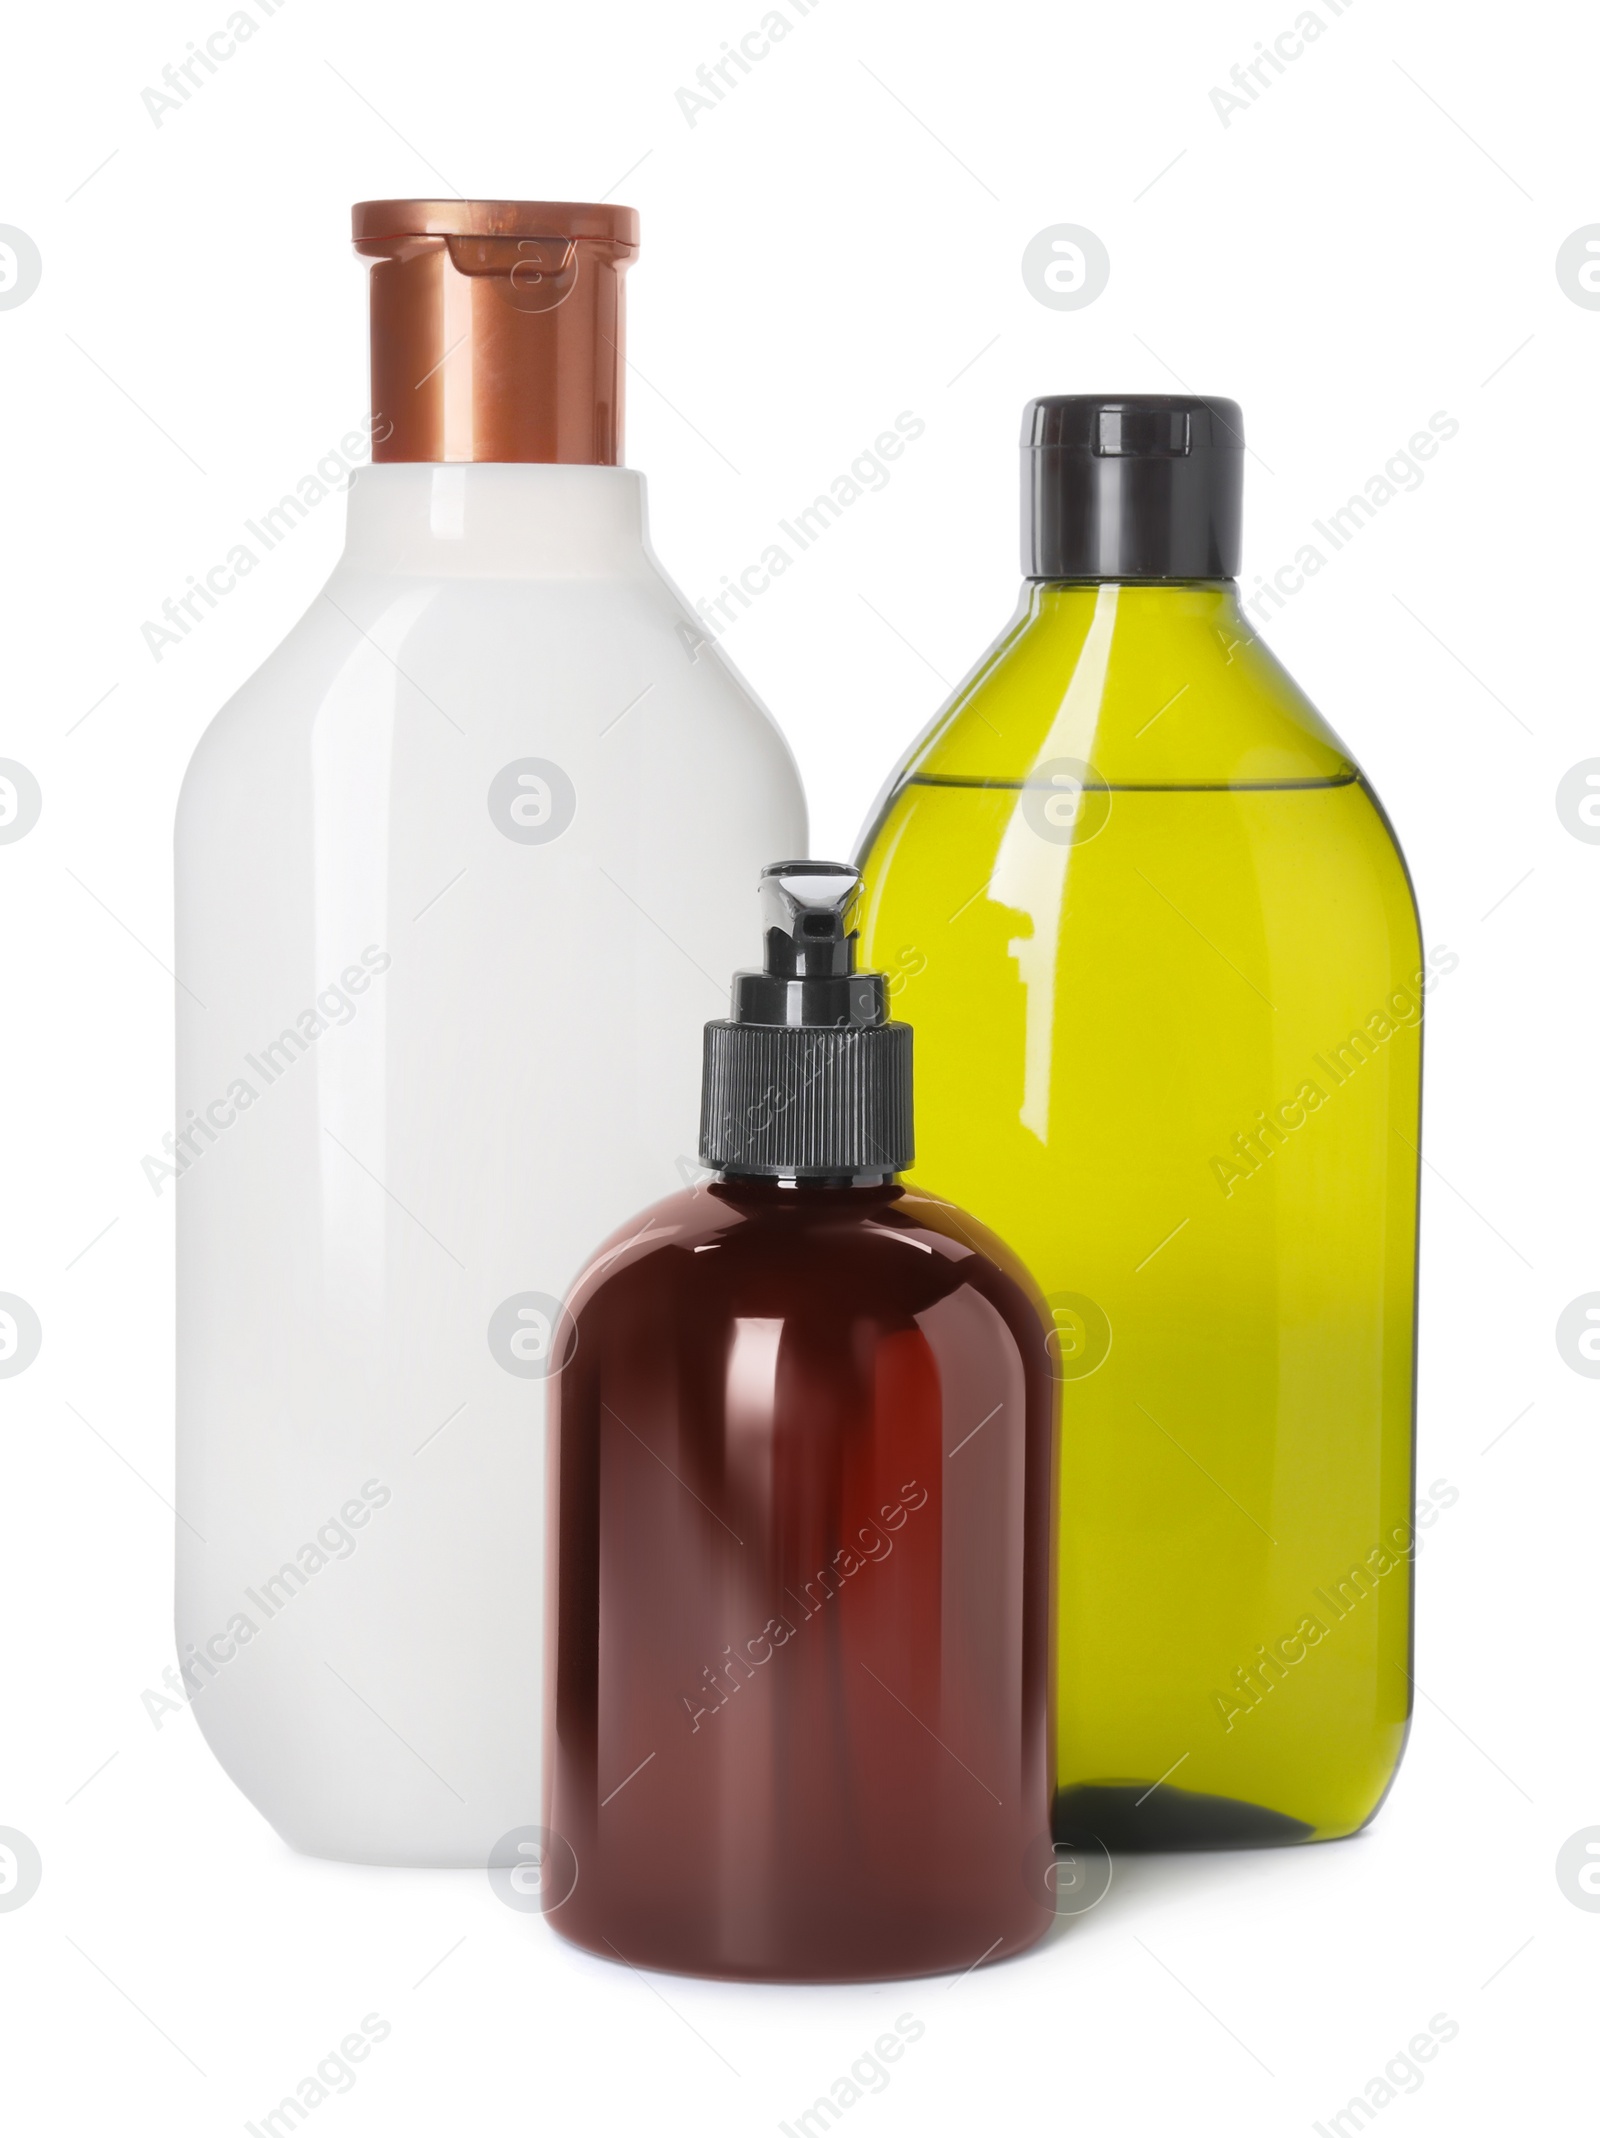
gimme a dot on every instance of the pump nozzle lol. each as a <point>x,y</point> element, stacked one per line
<point>807,908</point>
<point>808,942</point>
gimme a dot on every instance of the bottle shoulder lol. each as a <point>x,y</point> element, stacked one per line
<point>385,662</point>
<point>1139,686</point>
<point>851,1248</point>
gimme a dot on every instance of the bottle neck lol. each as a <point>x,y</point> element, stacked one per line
<point>1199,627</point>
<point>1179,604</point>
<point>776,1190</point>
<point>496,520</point>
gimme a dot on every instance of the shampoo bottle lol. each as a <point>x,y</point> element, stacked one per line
<point>494,760</point>
<point>801,1514</point>
<point>1159,948</point>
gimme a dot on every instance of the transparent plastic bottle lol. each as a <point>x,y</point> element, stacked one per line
<point>801,1510</point>
<point>490,812</point>
<point>1160,951</point>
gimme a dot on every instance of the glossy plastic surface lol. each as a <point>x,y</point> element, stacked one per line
<point>1161,956</point>
<point>801,1499</point>
<point>455,870</point>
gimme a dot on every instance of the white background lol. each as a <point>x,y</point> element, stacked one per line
<point>838,240</point>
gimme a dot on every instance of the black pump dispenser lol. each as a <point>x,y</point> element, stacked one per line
<point>1131,486</point>
<point>809,1079</point>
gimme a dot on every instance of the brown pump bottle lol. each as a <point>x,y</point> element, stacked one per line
<point>801,1526</point>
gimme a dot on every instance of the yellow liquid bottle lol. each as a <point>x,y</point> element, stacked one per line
<point>1160,952</point>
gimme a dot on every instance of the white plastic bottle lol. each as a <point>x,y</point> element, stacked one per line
<point>460,873</point>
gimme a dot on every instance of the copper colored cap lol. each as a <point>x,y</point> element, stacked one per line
<point>496,327</point>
